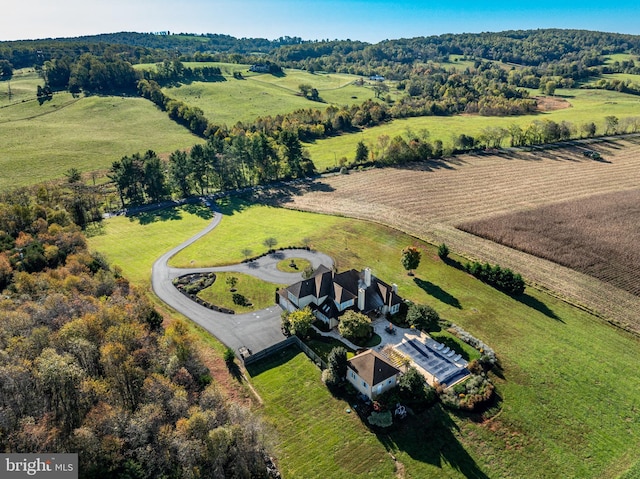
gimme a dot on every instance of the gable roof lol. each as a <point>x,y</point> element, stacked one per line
<point>372,367</point>
<point>344,287</point>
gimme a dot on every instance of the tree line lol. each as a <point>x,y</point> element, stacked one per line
<point>221,164</point>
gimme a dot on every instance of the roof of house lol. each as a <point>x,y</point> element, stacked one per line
<point>343,287</point>
<point>372,367</point>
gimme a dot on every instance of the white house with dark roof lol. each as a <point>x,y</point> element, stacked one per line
<point>330,294</point>
<point>371,374</point>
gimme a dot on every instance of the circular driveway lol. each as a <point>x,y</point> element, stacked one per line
<point>256,331</point>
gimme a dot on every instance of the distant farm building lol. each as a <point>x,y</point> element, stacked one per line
<point>259,68</point>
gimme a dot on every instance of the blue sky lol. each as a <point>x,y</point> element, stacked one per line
<point>371,21</point>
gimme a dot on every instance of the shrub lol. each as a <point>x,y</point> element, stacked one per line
<point>240,299</point>
<point>422,317</point>
<point>502,279</point>
<point>355,326</point>
<point>300,321</point>
<point>228,355</point>
<point>443,251</point>
<point>337,362</point>
<point>469,395</point>
<point>413,388</point>
<point>380,419</point>
<point>307,272</point>
<point>330,378</point>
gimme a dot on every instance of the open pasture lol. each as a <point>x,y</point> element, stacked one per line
<point>597,235</point>
<point>41,142</point>
<point>23,87</point>
<point>428,199</point>
<point>233,100</point>
<point>585,106</point>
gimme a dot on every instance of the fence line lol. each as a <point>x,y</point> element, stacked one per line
<point>282,345</point>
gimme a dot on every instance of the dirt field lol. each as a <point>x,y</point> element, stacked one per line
<point>597,235</point>
<point>428,199</point>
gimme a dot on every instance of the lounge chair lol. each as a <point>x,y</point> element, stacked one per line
<point>451,353</point>
<point>445,350</point>
<point>457,357</point>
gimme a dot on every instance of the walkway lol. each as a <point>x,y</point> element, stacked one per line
<point>256,331</point>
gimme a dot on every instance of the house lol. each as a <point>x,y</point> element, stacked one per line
<point>376,78</point>
<point>330,294</point>
<point>371,374</point>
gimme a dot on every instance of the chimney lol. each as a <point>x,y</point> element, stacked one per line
<point>361,299</point>
<point>394,288</point>
<point>367,277</point>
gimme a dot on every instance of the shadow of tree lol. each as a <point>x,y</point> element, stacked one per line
<point>538,306</point>
<point>430,438</point>
<point>234,371</point>
<point>279,193</point>
<point>437,292</point>
<point>199,210</point>
<point>148,217</point>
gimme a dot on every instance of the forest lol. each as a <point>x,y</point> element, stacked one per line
<point>86,364</point>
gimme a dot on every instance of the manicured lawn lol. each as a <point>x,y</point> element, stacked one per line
<point>566,374</point>
<point>299,265</point>
<point>323,347</point>
<point>586,106</point>
<point>454,342</point>
<point>260,294</point>
<point>316,437</point>
<point>246,227</point>
<point>135,243</point>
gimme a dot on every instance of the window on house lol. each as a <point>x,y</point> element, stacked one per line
<point>364,384</point>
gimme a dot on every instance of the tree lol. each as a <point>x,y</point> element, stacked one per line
<point>612,124</point>
<point>413,387</point>
<point>73,175</point>
<point>380,89</point>
<point>410,258</point>
<point>589,129</point>
<point>443,251</point>
<point>231,281</point>
<point>422,317</point>
<point>270,242</point>
<point>549,88</point>
<point>362,152</point>
<point>337,361</point>
<point>246,252</point>
<point>355,326</point>
<point>305,89</point>
<point>300,321</point>
<point>6,70</point>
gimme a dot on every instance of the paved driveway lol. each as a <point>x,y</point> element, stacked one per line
<point>257,330</point>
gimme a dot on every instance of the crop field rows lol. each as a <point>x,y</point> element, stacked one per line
<point>430,199</point>
<point>596,235</point>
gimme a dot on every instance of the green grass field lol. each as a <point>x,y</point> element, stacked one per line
<point>257,292</point>
<point>41,142</point>
<point>566,374</point>
<point>233,100</point>
<point>135,243</point>
<point>586,106</point>
<point>317,437</point>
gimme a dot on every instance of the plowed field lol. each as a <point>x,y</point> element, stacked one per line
<point>429,199</point>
